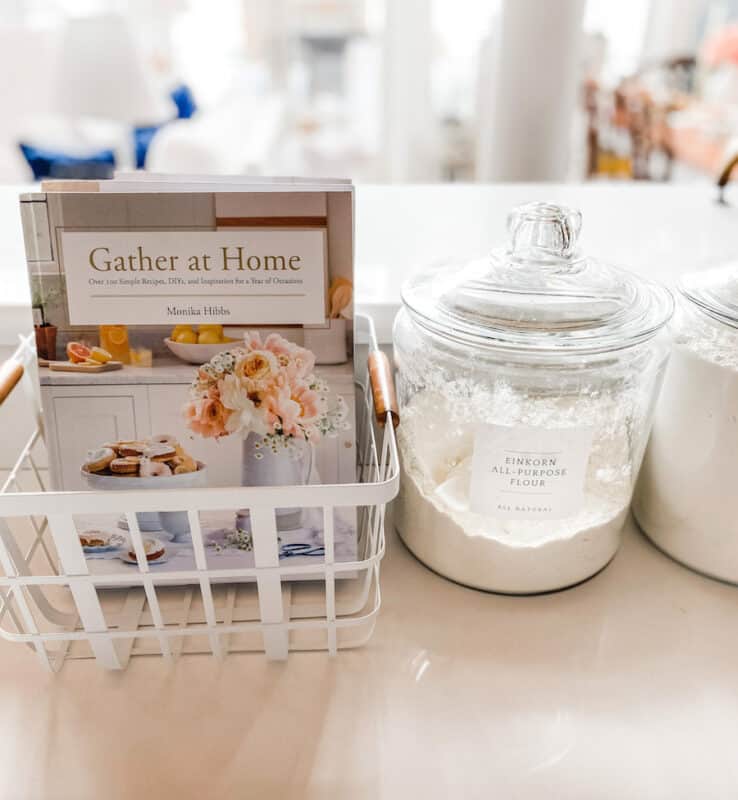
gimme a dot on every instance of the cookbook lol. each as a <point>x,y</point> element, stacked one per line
<point>193,332</point>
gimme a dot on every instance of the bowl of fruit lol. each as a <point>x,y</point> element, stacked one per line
<point>198,346</point>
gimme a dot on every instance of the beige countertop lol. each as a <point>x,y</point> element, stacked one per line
<point>623,687</point>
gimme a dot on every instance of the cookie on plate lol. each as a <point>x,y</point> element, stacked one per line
<point>99,460</point>
<point>157,451</point>
<point>131,448</point>
<point>125,465</point>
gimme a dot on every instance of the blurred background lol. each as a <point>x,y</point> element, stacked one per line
<point>378,90</point>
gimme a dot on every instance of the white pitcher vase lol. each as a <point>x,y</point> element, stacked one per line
<point>274,461</point>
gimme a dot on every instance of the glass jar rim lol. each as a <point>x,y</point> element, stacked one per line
<point>710,292</point>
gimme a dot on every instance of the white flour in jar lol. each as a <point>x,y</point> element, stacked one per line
<point>686,499</point>
<point>509,555</point>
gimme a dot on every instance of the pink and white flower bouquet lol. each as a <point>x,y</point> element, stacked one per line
<point>264,387</point>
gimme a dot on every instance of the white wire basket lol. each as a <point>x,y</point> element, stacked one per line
<point>50,600</point>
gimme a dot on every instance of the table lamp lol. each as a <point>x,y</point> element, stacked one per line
<point>101,74</point>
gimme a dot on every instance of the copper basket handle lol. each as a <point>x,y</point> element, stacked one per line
<point>383,388</point>
<point>11,371</point>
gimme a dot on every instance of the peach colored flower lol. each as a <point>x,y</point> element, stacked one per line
<point>207,417</point>
<point>298,360</point>
<point>256,366</point>
<point>279,345</point>
<point>308,401</point>
<point>301,364</point>
<point>281,412</point>
<point>252,340</point>
<point>291,411</point>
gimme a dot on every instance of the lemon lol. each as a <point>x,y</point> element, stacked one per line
<point>215,328</point>
<point>100,355</point>
<point>186,337</point>
<point>208,337</point>
<point>177,329</point>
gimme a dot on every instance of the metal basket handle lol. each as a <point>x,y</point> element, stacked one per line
<point>383,388</point>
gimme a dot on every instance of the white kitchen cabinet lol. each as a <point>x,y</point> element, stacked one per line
<point>78,415</point>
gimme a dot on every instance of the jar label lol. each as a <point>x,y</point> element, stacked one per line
<point>523,472</point>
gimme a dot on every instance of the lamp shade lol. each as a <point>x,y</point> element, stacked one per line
<point>101,73</point>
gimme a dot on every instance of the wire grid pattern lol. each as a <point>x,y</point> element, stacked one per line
<point>48,562</point>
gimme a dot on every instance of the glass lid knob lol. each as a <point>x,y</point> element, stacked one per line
<point>543,233</point>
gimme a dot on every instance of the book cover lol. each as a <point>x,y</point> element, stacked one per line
<point>196,332</point>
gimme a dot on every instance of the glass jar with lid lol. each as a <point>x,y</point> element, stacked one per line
<point>686,499</point>
<point>527,383</point>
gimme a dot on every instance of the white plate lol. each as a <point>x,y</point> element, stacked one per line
<point>186,480</point>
